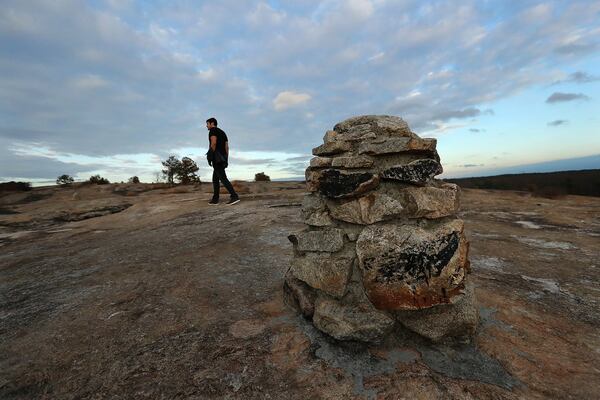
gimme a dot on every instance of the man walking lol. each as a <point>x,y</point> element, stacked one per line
<point>217,156</point>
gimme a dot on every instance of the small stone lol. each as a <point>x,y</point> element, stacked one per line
<point>411,267</point>
<point>329,240</point>
<point>328,272</point>
<point>299,295</point>
<point>417,172</point>
<point>331,148</point>
<point>314,211</point>
<point>320,162</point>
<point>359,322</point>
<point>337,184</point>
<point>352,162</point>
<point>369,209</point>
<point>458,320</point>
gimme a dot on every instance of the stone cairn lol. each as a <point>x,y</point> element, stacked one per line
<point>382,247</point>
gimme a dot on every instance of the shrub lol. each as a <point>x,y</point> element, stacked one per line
<point>15,186</point>
<point>134,179</point>
<point>261,177</point>
<point>98,180</point>
<point>64,180</point>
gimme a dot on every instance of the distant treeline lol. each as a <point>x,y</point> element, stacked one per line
<point>548,184</point>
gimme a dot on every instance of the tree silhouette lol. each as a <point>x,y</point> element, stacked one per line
<point>64,180</point>
<point>187,171</point>
<point>172,165</point>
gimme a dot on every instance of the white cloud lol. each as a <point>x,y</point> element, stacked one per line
<point>376,57</point>
<point>264,15</point>
<point>288,99</point>
<point>89,82</point>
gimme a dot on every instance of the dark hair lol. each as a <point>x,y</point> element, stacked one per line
<point>212,121</point>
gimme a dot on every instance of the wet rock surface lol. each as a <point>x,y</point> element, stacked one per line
<point>144,304</point>
<point>377,188</point>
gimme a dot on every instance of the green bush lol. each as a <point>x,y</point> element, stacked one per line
<point>98,180</point>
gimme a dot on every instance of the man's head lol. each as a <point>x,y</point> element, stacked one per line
<point>211,123</point>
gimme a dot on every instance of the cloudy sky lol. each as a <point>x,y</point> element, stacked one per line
<point>114,86</point>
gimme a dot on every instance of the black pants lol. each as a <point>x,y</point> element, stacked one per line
<point>220,175</point>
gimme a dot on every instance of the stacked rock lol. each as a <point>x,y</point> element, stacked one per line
<point>382,245</point>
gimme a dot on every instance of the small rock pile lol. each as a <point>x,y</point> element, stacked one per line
<point>382,247</point>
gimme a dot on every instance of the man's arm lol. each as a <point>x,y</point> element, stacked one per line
<point>213,143</point>
<point>227,148</point>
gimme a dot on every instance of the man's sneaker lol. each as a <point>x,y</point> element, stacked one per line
<point>213,202</point>
<point>233,200</point>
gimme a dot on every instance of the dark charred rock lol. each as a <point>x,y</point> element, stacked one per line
<point>417,172</point>
<point>416,263</point>
<point>409,267</point>
<point>335,184</point>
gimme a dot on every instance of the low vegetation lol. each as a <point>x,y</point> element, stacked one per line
<point>261,177</point>
<point>98,180</point>
<point>549,184</point>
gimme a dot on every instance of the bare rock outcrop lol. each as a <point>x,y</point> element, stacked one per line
<point>382,244</point>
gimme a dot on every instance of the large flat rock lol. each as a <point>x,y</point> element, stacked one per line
<point>381,146</point>
<point>330,148</point>
<point>352,162</point>
<point>394,201</point>
<point>387,125</point>
<point>369,209</point>
<point>334,183</point>
<point>411,267</point>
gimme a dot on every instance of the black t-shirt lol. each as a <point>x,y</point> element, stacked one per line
<point>221,140</point>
